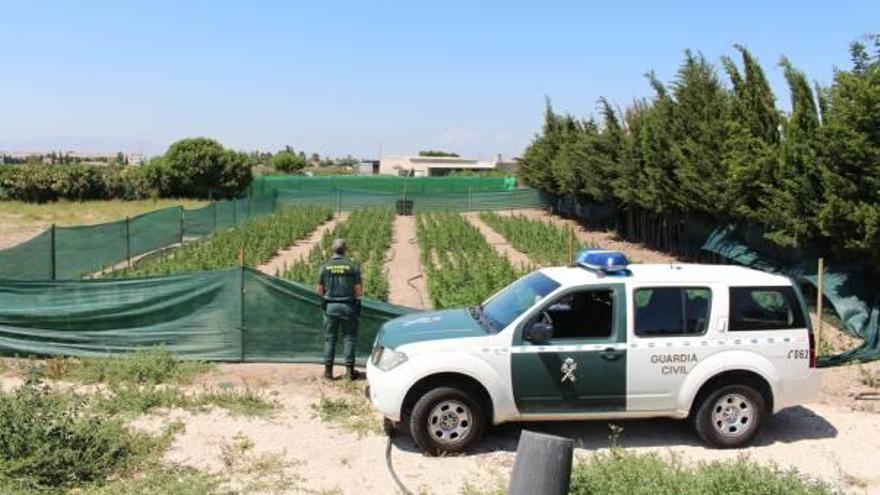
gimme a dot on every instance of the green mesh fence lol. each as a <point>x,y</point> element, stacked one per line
<point>155,230</point>
<point>74,252</point>
<point>224,315</point>
<point>266,184</point>
<point>89,249</point>
<point>29,260</point>
<point>347,199</point>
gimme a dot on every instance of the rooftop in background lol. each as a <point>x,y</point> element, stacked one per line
<point>438,166</point>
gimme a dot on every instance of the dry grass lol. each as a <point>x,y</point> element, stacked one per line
<point>20,221</point>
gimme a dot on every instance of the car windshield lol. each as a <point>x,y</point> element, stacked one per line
<point>517,297</point>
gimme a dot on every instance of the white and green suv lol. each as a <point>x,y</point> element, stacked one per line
<point>721,345</point>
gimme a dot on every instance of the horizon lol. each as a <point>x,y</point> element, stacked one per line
<point>103,77</point>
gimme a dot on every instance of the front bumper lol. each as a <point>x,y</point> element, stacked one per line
<point>386,391</point>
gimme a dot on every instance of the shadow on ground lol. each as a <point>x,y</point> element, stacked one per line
<point>788,426</point>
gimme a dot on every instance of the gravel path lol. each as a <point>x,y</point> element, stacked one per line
<point>406,280</point>
<point>498,242</point>
<point>300,248</point>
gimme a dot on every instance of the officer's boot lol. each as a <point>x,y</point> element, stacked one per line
<point>328,371</point>
<point>353,374</point>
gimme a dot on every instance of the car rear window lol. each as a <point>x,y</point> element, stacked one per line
<point>764,308</point>
<point>670,311</point>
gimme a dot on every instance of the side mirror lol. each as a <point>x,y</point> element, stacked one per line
<point>539,332</point>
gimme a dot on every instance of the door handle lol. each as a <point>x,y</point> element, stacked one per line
<point>610,354</point>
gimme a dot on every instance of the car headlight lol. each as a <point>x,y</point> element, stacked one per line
<point>387,359</point>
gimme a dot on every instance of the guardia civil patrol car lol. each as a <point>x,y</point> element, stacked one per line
<point>723,346</point>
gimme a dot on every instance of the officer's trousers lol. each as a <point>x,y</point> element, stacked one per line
<point>333,326</point>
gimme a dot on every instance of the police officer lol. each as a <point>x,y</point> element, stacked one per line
<point>339,285</point>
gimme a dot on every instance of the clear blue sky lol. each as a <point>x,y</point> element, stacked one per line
<point>343,77</point>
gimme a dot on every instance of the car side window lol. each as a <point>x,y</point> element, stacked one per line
<point>764,308</point>
<point>671,311</point>
<point>583,314</point>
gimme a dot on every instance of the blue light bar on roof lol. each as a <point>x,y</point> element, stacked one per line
<point>603,262</point>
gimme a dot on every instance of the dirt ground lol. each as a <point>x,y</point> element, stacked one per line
<point>817,439</point>
<point>406,279</point>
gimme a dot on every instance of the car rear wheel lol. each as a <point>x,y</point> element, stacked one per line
<point>730,416</point>
<point>446,420</point>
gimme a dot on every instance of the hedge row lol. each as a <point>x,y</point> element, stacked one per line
<point>194,168</point>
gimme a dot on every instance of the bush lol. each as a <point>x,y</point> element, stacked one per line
<point>50,440</point>
<point>289,162</point>
<point>201,168</point>
<point>623,472</point>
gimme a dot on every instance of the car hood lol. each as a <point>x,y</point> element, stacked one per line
<point>430,325</point>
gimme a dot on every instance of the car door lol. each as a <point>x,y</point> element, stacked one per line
<point>580,371</point>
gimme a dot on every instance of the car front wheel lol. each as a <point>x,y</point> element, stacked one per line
<point>730,416</point>
<point>446,420</point>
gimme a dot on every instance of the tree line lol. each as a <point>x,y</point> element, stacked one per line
<point>191,168</point>
<point>713,144</point>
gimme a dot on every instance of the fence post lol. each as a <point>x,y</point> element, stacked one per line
<point>234,211</point>
<point>128,240</point>
<point>214,213</point>
<point>250,203</point>
<point>241,300</point>
<point>570,245</point>
<point>820,285</point>
<point>53,251</point>
<point>182,224</point>
<point>338,201</point>
<point>470,199</point>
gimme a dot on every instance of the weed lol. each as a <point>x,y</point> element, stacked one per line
<point>51,440</point>
<point>868,377</point>
<point>352,411</point>
<point>265,472</point>
<point>162,480</point>
<point>247,402</point>
<point>626,472</point>
<point>151,366</point>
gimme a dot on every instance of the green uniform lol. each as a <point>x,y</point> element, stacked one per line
<point>339,275</point>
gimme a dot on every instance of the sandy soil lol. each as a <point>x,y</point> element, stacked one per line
<point>817,439</point>
<point>498,242</point>
<point>406,280</point>
<point>301,248</point>
<point>13,232</point>
<point>637,253</point>
<point>831,439</point>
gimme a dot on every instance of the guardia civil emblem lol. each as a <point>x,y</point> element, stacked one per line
<point>568,369</point>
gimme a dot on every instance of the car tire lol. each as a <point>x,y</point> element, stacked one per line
<point>730,416</point>
<point>446,420</point>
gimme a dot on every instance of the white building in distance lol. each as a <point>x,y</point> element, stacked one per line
<point>438,166</point>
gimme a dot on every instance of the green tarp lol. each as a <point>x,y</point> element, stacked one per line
<point>224,315</point>
<point>852,290</point>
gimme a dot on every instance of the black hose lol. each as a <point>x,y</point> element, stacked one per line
<point>397,481</point>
